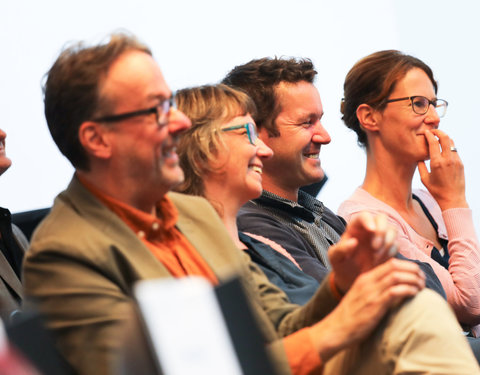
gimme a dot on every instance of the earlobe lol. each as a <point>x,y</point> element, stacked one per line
<point>367,117</point>
<point>92,137</point>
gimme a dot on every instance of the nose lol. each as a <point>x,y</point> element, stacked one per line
<point>320,135</point>
<point>3,135</point>
<point>263,151</point>
<point>432,117</point>
<point>177,121</point>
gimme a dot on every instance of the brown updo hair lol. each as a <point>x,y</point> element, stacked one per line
<point>371,81</point>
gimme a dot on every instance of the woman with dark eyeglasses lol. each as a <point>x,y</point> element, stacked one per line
<point>390,101</point>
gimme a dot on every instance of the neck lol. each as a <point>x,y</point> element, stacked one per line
<point>389,179</point>
<point>227,207</point>
<point>123,192</point>
<point>269,184</point>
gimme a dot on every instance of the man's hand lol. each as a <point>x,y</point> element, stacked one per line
<point>367,242</point>
<point>365,304</point>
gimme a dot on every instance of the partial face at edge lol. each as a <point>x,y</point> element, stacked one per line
<point>4,161</point>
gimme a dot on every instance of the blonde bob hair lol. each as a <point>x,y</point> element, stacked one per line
<point>208,107</point>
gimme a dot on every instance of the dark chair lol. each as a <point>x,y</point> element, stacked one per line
<point>27,221</point>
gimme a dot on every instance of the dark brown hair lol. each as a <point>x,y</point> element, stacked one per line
<point>259,79</point>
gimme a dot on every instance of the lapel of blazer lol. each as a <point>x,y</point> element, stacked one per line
<point>197,221</point>
<point>112,226</point>
<point>201,225</point>
<point>9,276</point>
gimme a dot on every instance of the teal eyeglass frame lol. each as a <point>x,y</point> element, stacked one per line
<point>251,131</point>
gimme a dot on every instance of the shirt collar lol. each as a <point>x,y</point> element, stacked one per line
<point>142,223</point>
<point>307,206</point>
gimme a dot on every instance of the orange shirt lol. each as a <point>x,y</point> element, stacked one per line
<point>171,248</point>
<point>159,234</point>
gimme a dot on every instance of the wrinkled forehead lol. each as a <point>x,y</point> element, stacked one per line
<point>134,79</point>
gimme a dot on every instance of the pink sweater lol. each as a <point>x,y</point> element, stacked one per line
<point>462,279</point>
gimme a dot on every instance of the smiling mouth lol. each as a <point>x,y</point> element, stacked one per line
<point>312,156</point>
<point>169,151</point>
<point>257,169</point>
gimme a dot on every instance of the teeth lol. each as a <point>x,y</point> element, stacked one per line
<point>313,156</point>
<point>169,150</point>
<point>257,169</point>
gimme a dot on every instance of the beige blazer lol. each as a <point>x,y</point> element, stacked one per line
<point>83,261</point>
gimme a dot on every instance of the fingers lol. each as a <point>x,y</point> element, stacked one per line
<point>439,143</point>
<point>423,170</point>
<point>342,249</point>
<point>433,144</point>
<point>398,272</point>
<point>363,222</point>
<point>372,231</point>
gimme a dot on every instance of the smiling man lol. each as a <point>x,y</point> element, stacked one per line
<point>289,119</point>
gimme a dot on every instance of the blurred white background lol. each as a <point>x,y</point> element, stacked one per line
<point>198,42</point>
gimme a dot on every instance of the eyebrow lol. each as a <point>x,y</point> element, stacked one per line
<point>159,97</point>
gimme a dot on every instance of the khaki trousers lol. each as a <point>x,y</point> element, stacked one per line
<point>412,339</point>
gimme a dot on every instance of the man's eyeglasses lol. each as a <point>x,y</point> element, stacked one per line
<point>160,111</point>
<point>251,131</point>
<point>420,104</point>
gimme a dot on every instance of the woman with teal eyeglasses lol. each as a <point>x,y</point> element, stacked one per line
<point>222,158</point>
<point>390,101</point>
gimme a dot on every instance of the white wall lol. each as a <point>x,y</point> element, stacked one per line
<point>198,42</point>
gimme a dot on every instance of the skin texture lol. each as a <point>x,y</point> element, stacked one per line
<point>296,162</point>
<point>237,175</point>
<point>399,141</point>
<point>4,161</point>
<point>138,148</point>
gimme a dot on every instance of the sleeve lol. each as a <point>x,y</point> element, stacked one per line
<point>83,305</point>
<point>301,354</point>
<point>461,281</point>
<point>286,317</point>
<point>262,224</point>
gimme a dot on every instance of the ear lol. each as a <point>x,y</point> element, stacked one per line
<point>94,139</point>
<point>368,117</point>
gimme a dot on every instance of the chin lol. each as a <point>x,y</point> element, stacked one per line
<point>254,192</point>
<point>4,165</point>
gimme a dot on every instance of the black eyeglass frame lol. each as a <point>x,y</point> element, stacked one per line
<point>159,110</point>
<point>434,102</point>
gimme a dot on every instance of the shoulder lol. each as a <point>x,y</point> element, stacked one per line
<point>20,237</point>
<point>193,207</point>
<point>429,202</point>
<point>182,201</point>
<point>361,200</point>
<point>78,226</point>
